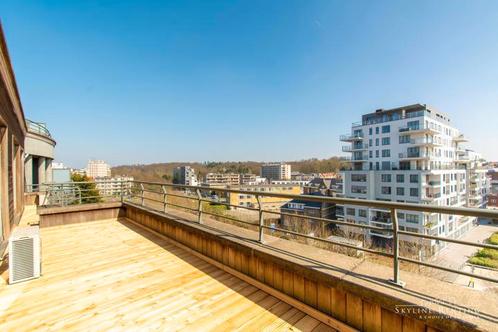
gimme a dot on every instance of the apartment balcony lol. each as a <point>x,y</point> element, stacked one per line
<point>355,147</point>
<point>351,137</point>
<point>417,130</point>
<point>424,142</point>
<point>141,260</point>
<point>414,156</point>
<point>460,139</point>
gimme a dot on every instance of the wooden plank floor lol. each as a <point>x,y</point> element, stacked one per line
<point>110,275</point>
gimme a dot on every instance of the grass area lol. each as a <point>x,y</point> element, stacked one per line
<point>487,257</point>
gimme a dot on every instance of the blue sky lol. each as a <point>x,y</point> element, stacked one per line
<point>156,81</point>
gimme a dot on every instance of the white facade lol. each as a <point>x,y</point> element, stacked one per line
<point>113,186</point>
<point>408,154</point>
<point>185,175</point>
<point>276,171</point>
<point>98,169</point>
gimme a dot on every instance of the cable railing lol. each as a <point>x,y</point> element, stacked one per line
<point>159,196</point>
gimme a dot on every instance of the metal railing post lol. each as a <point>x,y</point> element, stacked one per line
<point>199,206</point>
<point>261,219</point>
<point>394,219</point>
<point>165,202</point>
<point>122,192</point>
<point>142,196</point>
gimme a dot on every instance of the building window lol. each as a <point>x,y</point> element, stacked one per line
<point>401,215</point>
<point>370,131</point>
<point>386,129</point>
<point>386,153</point>
<point>370,142</point>
<point>376,142</point>
<point>377,153</point>
<point>413,178</point>
<point>386,165</point>
<point>412,218</point>
<point>376,130</point>
<point>370,154</point>
<point>385,177</point>
<point>386,190</point>
<point>358,189</point>
<point>414,192</point>
<point>386,140</point>
<point>400,191</point>
<point>359,177</point>
<point>350,212</point>
<point>362,213</point>
<point>404,139</point>
<point>400,178</point>
<point>413,125</point>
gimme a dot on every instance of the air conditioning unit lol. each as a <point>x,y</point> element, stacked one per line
<point>24,254</point>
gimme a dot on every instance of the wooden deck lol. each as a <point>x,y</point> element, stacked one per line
<point>114,275</point>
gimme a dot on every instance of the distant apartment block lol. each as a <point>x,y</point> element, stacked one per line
<point>113,186</point>
<point>411,154</point>
<point>98,169</point>
<point>185,175</point>
<point>276,171</point>
<point>222,178</point>
<point>300,183</point>
<point>271,203</point>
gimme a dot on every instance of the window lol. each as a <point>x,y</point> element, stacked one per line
<point>386,153</point>
<point>376,142</point>
<point>359,177</point>
<point>358,189</point>
<point>386,129</point>
<point>386,165</point>
<point>386,140</point>
<point>350,212</point>
<point>370,131</point>
<point>411,229</point>
<point>370,142</point>
<point>400,178</point>
<point>376,130</point>
<point>362,213</point>
<point>413,178</point>
<point>404,139</point>
<point>386,190</point>
<point>377,153</point>
<point>370,154</point>
<point>413,125</point>
<point>401,215</point>
<point>414,192</point>
<point>400,191</point>
<point>385,177</point>
<point>412,218</point>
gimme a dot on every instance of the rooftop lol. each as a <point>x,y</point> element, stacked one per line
<point>115,274</point>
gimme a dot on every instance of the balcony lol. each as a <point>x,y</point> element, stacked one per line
<point>417,130</point>
<point>38,128</point>
<point>351,137</point>
<point>141,260</point>
<point>415,155</point>
<point>355,147</point>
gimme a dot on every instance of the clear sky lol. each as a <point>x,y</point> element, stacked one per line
<point>156,81</point>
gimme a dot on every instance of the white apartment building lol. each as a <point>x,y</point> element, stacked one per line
<point>185,175</point>
<point>223,178</point>
<point>113,186</point>
<point>409,154</point>
<point>276,171</point>
<point>98,169</point>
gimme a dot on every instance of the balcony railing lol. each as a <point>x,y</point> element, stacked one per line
<point>350,137</point>
<point>38,128</point>
<point>159,196</point>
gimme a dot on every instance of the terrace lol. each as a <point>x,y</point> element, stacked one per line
<point>156,256</point>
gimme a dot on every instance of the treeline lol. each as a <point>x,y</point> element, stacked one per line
<point>164,171</point>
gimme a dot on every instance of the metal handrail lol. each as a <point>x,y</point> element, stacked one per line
<point>393,207</point>
<point>38,128</point>
<point>137,190</point>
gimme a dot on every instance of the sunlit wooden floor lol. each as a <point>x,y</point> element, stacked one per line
<point>110,275</point>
